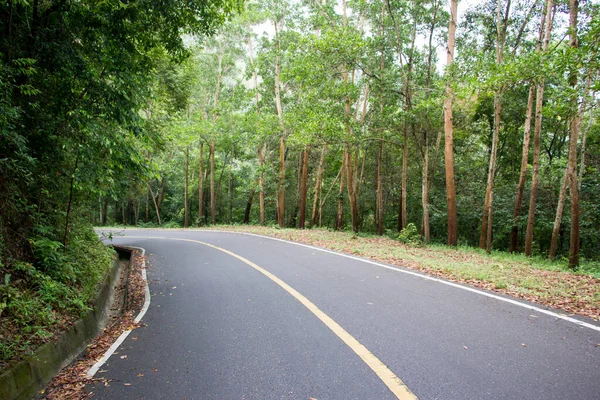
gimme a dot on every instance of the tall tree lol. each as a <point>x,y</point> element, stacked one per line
<point>547,24</point>
<point>449,132</point>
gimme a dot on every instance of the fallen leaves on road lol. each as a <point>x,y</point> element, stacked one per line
<point>70,383</point>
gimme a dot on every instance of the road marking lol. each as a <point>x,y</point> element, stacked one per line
<point>94,369</point>
<point>427,277</point>
<point>420,275</point>
<point>395,384</point>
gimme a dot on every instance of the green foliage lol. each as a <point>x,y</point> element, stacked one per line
<point>410,235</point>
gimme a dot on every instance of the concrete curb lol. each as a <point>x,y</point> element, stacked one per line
<point>27,378</point>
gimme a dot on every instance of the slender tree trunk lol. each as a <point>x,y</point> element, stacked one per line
<point>281,196</point>
<point>425,174</point>
<point>262,148</point>
<point>115,214</point>
<point>583,149</point>
<point>425,193</point>
<point>147,216</point>
<point>319,183</point>
<point>186,210</point>
<point>485,239</point>
<point>379,206</point>
<point>261,183</point>
<point>213,199</point>
<point>351,189</point>
<point>379,213</point>
<point>514,234</point>
<point>229,198</point>
<point>249,207</point>
<point>339,221</point>
<point>408,109</point>
<point>559,212</point>
<point>303,189</point>
<point>563,187</point>
<point>200,184</point>
<point>537,137</point>
<point>573,137</point>
<point>155,204</point>
<point>449,133</point>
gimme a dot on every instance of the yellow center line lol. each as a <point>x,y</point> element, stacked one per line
<point>395,384</point>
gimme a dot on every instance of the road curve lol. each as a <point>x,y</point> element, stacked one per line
<point>219,328</point>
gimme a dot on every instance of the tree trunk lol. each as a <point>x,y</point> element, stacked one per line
<point>186,211</point>
<point>303,189</point>
<point>261,183</point>
<point>537,137</point>
<point>155,204</point>
<point>407,108</point>
<point>449,133</point>
<point>573,137</point>
<point>281,196</point>
<point>485,238</point>
<point>379,208</point>
<point>514,234</point>
<point>319,183</point>
<point>248,207</point>
<point>147,217</point>
<point>213,199</point>
<point>339,220</point>
<point>351,189</point>
<point>200,184</point>
<point>559,212</point>
<point>563,187</point>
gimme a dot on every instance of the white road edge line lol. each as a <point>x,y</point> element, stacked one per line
<point>94,369</point>
<point>427,277</point>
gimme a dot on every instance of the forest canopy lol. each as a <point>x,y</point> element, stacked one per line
<point>372,116</point>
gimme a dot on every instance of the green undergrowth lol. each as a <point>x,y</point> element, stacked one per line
<point>39,297</point>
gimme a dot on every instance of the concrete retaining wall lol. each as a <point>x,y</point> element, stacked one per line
<point>24,380</point>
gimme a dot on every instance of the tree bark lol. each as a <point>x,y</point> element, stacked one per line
<point>213,199</point>
<point>449,133</point>
<point>186,210</point>
<point>559,212</point>
<point>379,212</point>
<point>514,234</point>
<point>248,207</point>
<point>303,189</point>
<point>339,220</point>
<point>485,239</point>
<point>156,208</point>
<point>407,108</point>
<point>281,183</point>
<point>318,185</point>
<point>537,136</point>
<point>200,184</point>
<point>261,183</point>
<point>573,137</point>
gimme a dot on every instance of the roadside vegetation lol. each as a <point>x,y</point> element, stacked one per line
<point>42,297</point>
<point>74,77</point>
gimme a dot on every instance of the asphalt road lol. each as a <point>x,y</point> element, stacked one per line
<point>218,328</point>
